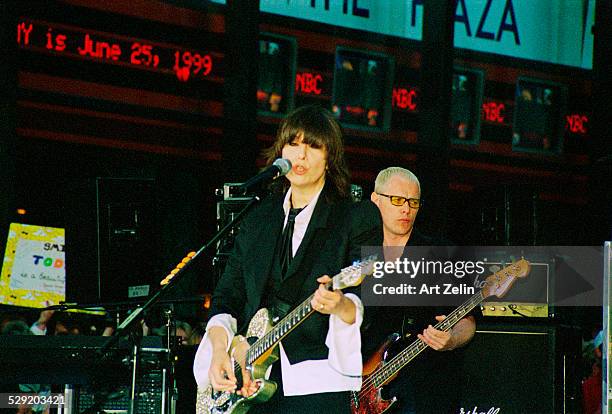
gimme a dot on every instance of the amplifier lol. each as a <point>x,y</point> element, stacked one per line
<point>151,396</point>
<point>229,204</point>
<point>99,382</point>
<point>529,297</point>
<point>518,369</point>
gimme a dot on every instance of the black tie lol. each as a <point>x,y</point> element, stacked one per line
<point>287,246</point>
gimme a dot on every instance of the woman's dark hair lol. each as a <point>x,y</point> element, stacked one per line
<point>321,130</point>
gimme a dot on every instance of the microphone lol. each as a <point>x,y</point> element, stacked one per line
<point>279,167</point>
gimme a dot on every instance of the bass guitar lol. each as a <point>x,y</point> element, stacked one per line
<point>378,372</point>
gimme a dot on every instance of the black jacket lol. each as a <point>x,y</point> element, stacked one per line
<point>334,237</point>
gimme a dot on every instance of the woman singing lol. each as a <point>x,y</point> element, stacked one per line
<point>307,228</point>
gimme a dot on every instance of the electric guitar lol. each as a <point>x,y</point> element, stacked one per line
<point>261,347</point>
<point>378,372</point>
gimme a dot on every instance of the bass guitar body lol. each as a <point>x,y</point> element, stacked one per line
<point>369,399</point>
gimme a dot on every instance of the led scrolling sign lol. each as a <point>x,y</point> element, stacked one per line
<point>111,48</point>
<point>189,65</point>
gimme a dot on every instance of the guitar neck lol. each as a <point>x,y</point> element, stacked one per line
<point>391,368</point>
<point>349,276</point>
<point>281,329</point>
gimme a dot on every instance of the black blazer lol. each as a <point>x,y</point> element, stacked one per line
<point>333,240</point>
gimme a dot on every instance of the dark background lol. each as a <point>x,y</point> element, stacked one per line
<point>68,121</point>
<point>88,145</point>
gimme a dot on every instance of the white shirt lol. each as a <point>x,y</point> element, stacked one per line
<point>341,371</point>
<point>36,330</point>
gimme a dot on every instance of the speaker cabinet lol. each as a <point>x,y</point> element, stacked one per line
<point>521,369</point>
<point>127,238</point>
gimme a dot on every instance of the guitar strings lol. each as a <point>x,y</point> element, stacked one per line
<point>370,382</point>
<point>270,335</point>
<point>276,334</point>
<point>450,319</point>
<point>470,304</point>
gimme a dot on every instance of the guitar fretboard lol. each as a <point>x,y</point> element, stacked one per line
<point>280,330</point>
<point>391,368</point>
<point>349,276</point>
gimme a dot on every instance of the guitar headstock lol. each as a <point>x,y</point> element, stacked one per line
<point>500,282</point>
<point>354,275</point>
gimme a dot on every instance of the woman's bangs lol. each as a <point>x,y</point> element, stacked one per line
<point>316,140</point>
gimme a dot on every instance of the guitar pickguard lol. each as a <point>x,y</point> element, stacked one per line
<point>211,402</point>
<point>260,324</point>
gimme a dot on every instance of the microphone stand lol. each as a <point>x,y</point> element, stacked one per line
<point>124,328</point>
<point>108,307</point>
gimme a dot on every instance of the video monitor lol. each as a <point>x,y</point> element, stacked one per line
<point>538,116</point>
<point>362,89</point>
<point>275,84</point>
<point>466,104</point>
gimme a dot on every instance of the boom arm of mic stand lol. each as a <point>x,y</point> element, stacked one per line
<point>124,327</point>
